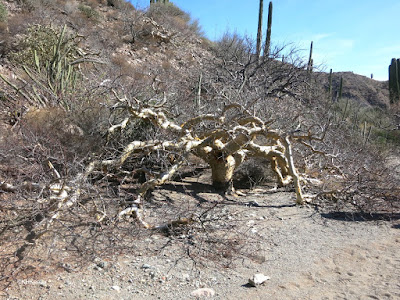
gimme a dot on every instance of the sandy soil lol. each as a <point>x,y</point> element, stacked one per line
<point>306,254</point>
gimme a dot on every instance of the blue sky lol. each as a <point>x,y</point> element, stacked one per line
<point>348,35</point>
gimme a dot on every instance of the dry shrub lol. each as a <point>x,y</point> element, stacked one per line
<point>120,62</point>
<point>119,4</point>
<point>20,22</point>
<point>70,7</point>
<point>173,18</point>
<point>89,12</point>
<point>64,138</point>
<point>254,172</point>
<point>31,5</point>
<point>92,3</point>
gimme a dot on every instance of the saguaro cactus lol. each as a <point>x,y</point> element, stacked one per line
<point>340,88</point>
<point>259,31</point>
<point>394,81</point>
<point>310,60</point>
<point>267,45</point>
<point>330,84</point>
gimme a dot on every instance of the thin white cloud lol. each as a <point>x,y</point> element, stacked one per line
<point>329,49</point>
<point>320,36</point>
<point>343,44</point>
<point>393,49</point>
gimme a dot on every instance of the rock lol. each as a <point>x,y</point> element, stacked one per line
<point>102,264</point>
<point>258,279</point>
<point>146,266</point>
<point>250,223</point>
<point>152,274</point>
<point>116,288</point>
<point>203,293</point>
<point>253,204</point>
<point>186,276</point>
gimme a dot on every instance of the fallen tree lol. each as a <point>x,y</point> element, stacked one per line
<point>223,140</point>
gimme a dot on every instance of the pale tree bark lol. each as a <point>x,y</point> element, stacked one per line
<point>223,148</point>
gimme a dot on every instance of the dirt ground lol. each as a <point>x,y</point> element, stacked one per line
<point>307,255</point>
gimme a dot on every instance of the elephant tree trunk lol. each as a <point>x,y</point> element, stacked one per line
<point>222,169</point>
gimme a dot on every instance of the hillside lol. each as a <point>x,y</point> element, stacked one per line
<point>138,49</point>
<point>124,134</point>
<point>360,88</point>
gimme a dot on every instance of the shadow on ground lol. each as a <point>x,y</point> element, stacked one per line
<point>362,217</point>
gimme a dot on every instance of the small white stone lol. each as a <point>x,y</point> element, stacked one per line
<point>258,279</point>
<point>251,223</point>
<point>116,288</point>
<point>146,266</point>
<point>203,293</point>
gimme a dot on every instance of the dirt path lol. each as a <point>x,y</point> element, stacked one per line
<point>307,255</point>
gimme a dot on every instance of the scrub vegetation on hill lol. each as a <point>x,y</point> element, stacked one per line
<point>101,103</point>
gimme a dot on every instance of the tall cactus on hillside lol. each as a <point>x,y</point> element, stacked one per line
<point>310,60</point>
<point>259,31</point>
<point>330,84</point>
<point>340,88</point>
<point>394,81</point>
<point>267,45</point>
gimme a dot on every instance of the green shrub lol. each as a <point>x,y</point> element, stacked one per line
<point>89,12</point>
<point>49,59</point>
<point>3,12</point>
<point>41,40</point>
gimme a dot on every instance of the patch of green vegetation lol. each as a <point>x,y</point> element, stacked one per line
<point>50,58</point>
<point>3,12</point>
<point>36,48</point>
<point>372,124</point>
<point>89,12</point>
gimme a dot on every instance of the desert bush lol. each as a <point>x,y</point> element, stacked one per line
<point>253,173</point>
<point>36,47</point>
<point>89,12</point>
<point>172,17</point>
<point>373,124</point>
<point>51,66</point>
<point>70,7</point>
<point>3,12</point>
<point>31,5</point>
<point>117,3</point>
